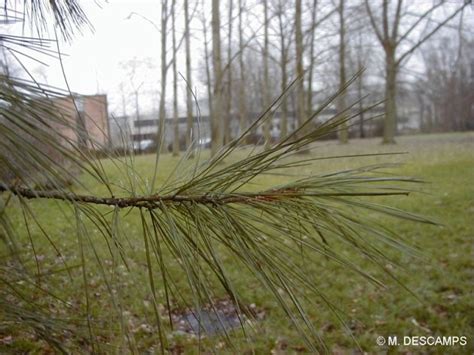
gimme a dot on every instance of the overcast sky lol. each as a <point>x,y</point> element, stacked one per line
<point>93,61</point>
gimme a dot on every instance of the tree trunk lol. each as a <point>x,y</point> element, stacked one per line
<point>175,86</point>
<point>309,104</point>
<point>361,104</point>
<point>422,113</point>
<point>137,114</point>
<point>360,85</point>
<point>341,102</point>
<point>284,74</point>
<point>124,102</point>
<point>284,102</point>
<point>189,79</point>
<point>216,120</point>
<point>242,98</point>
<point>390,122</point>
<point>266,83</point>
<point>208,68</point>
<point>164,69</point>
<point>391,40</point>
<point>228,96</point>
<point>300,102</point>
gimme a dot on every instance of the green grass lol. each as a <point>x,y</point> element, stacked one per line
<point>441,277</point>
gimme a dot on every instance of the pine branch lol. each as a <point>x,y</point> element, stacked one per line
<point>154,201</point>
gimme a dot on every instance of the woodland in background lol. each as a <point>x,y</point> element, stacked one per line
<point>414,57</point>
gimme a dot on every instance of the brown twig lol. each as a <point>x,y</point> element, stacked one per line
<point>153,201</point>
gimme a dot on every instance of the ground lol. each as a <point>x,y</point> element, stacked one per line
<point>431,297</point>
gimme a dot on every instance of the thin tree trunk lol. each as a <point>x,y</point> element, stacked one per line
<point>360,87</point>
<point>228,103</point>
<point>164,69</point>
<point>175,86</point>
<point>242,97</point>
<point>266,82</point>
<point>341,102</point>
<point>189,79</point>
<point>284,102</point>
<point>429,123</point>
<point>208,67</point>
<point>124,103</point>
<point>390,122</point>
<point>300,102</point>
<point>421,104</point>
<point>137,114</point>
<point>361,103</point>
<point>216,120</point>
<point>284,75</point>
<point>309,104</point>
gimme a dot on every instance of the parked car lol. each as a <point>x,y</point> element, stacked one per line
<point>143,145</point>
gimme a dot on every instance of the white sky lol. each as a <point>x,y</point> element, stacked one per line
<point>93,61</point>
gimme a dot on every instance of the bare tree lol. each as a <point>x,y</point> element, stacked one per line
<point>391,39</point>
<point>132,67</point>
<point>216,110</point>
<point>242,96</point>
<point>266,81</point>
<point>341,101</point>
<point>312,31</point>
<point>300,102</point>
<point>285,36</point>
<point>319,13</point>
<point>164,71</point>
<point>189,79</point>
<point>228,95</point>
<point>175,83</point>
<point>360,57</point>
<point>445,91</point>
<point>207,62</point>
<point>123,99</point>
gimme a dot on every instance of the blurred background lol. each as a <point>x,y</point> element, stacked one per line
<point>141,62</point>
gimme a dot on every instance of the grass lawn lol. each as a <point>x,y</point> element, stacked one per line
<point>440,278</point>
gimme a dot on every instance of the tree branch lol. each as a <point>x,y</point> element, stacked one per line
<point>396,22</point>
<point>372,22</point>
<point>386,36</point>
<point>424,39</point>
<point>421,18</point>
<point>153,201</point>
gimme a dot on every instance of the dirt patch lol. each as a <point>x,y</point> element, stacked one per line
<point>216,318</point>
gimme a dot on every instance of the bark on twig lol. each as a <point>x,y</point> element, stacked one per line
<point>154,201</point>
